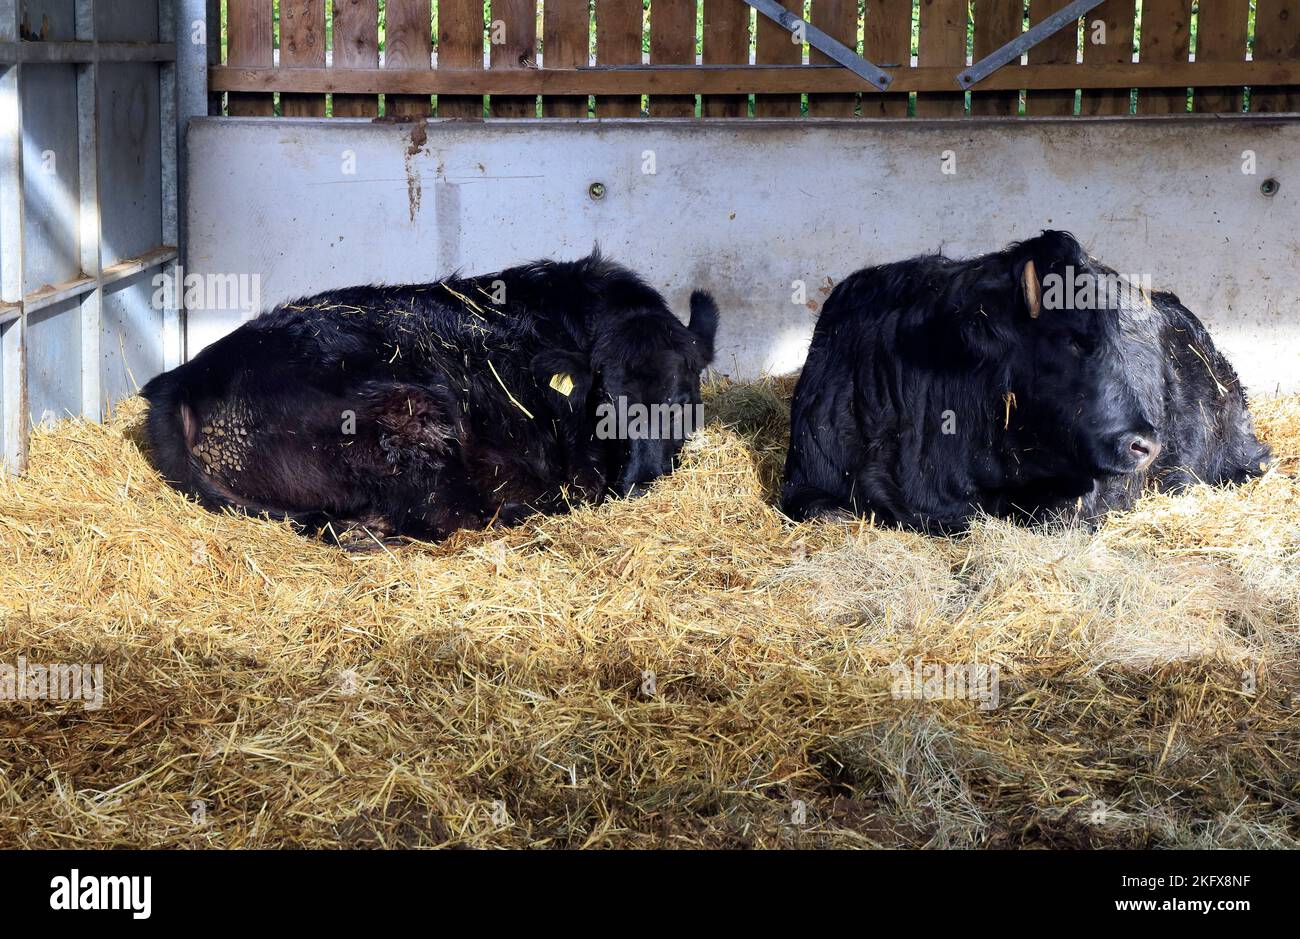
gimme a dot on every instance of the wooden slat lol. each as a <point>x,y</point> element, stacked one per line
<point>773,45</point>
<point>726,42</point>
<point>839,19</point>
<point>83,51</point>
<point>460,46</point>
<point>997,22</point>
<point>1060,48</point>
<point>302,45</point>
<point>249,44</point>
<point>356,45</point>
<point>887,41</point>
<point>408,45</point>
<point>672,42</point>
<point>730,81</point>
<point>1277,39</point>
<point>518,51</point>
<point>618,42</point>
<point>1165,38</point>
<point>565,35</point>
<point>942,42</point>
<point>1221,33</point>
<point>1118,17</point>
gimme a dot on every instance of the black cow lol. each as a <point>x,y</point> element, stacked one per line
<point>1033,382</point>
<point>418,410</point>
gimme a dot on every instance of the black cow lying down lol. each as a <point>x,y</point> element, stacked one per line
<point>418,410</point>
<point>1033,382</point>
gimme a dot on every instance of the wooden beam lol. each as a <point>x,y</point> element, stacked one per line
<point>839,20</point>
<point>460,46</point>
<point>249,30</point>
<point>302,44</point>
<point>1277,37</point>
<point>996,24</point>
<point>1221,35</point>
<point>942,45</point>
<point>619,27</point>
<point>81,52</point>
<point>518,19</point>
<point>1108,40</point>
<point>565,37</point>
<point>356,45</point>
<point>672,42</point>
<point>887,41</point>
<point>774,45</point>
<point>1165,39</point>
<point>770,79</point>
<point>726,42</point>
<point>1060,48</point>
<point>408,46</point>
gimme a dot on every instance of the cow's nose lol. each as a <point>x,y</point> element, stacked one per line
<point>1143,451</point>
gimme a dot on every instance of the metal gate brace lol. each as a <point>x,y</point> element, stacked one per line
<point>1017,47</point>
<point>836,50</point>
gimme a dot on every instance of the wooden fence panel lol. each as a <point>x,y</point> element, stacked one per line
<point>1116,18</point>
<point>1277,37</point>
<point>515,22</point>
<point>672,42</point>
<point>249,42</point>
<point>887,41</point>
<point>460,45</point>
<point>773,45</point>
<point>514,80</point>
<point>408,44</point>
<point>838,19</point>
<point>726,42</point>
<point>618,42</point>
<point>1221,34</point>
<point>997,22</point>
<point>1060,48</point>
<point>356,45</point>
<point>302,44</point>
<point>1165,39</point>
<point>565,38</point>
<point>942,42</point>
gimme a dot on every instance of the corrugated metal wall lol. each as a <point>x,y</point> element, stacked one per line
<point>88,210</point>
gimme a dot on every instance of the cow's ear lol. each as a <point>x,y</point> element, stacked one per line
<point>704,323</point>
<point>564,377</point>
<point>1051,253</point>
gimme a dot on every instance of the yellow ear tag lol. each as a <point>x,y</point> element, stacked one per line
<point>562,383</point>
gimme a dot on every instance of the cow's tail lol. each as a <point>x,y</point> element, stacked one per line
<point>173,430</point>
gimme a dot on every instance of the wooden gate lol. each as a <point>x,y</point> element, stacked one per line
<point>718,58</point>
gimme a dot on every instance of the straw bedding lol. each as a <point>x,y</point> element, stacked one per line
<point>688,669</point>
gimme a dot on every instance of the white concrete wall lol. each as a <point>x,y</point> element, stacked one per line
<point>746,208</point>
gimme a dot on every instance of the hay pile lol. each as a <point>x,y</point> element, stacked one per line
<point>685,670</point>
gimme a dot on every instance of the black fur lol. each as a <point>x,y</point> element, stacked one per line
<point>1046,416</point>
<point>422,409</point>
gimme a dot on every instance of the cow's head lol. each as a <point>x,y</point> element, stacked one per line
<point>1064,333</point>
<point>644,384</point>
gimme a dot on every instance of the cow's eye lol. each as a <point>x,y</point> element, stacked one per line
<point>1077,345</point>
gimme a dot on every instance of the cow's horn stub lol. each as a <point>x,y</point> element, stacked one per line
<point>1032,295</point>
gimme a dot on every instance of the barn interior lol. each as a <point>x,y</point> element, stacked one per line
<point>690,669</point>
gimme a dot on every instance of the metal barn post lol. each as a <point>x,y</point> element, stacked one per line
<point>13,322</point>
